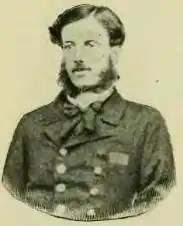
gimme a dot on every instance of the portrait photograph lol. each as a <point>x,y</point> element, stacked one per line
<point>92,112</point>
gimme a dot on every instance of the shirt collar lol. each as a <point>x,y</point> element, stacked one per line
<point>90,98</point>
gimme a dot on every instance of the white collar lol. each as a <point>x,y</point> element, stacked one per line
<point>85,99</point>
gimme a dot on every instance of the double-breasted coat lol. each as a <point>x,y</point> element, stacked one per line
<point>120,169</point>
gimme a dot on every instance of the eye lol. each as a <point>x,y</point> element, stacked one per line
<point>91,43</point>
<point>67,46</point>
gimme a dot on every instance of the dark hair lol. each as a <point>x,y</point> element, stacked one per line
<point>105,16</point>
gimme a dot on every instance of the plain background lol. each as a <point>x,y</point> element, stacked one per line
<point>151,73</point>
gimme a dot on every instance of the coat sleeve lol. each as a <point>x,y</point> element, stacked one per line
<point>14,177</point>
<point>14,173</point>
<point>157,171</point>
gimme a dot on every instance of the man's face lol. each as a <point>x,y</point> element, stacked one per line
<point>86,51</point>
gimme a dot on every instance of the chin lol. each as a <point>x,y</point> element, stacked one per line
<point>81,83</point>
<point>85,86</point>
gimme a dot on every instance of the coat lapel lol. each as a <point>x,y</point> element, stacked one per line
<point>57,126</point>
<point>59,131</point>
<point>113,109</point>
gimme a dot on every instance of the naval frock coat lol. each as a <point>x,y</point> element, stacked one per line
<point>121,169</point>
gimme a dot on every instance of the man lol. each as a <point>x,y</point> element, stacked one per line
<point>90,154</point>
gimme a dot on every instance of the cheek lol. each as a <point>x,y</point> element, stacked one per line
<point>99,59</point>
<point>68,63</point>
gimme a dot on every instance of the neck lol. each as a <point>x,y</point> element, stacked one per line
<point>84,99</point>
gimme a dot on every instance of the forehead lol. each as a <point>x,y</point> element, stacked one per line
<point>85,29</point>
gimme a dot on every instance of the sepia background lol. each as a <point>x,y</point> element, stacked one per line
<point>151,71</point>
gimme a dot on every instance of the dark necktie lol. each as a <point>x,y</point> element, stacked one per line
<point>87,118</point>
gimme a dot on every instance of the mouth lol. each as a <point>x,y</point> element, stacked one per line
<point>80,69</point>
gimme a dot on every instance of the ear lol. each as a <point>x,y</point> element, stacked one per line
<point>115,53</point>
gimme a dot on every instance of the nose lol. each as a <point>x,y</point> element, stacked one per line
<point>78,61</point>
<point>78,56</point>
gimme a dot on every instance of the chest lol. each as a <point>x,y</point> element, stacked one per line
<point>114,154</point>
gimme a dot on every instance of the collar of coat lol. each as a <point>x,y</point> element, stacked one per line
<point>59,128</point>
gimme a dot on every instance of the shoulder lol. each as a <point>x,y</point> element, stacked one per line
<point>39,113</point>
<point>144,112</point>
<point>36,117</point>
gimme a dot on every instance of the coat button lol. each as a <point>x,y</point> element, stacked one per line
<point>94,191</point>
<point>60,210</point>
<point>60,187</point>
<point>63,151</point>
<point>91,213</point>
<point>98,170</point>
<point>61,168</point>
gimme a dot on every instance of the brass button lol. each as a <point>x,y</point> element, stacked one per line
<point>61,168</point>
<point>60,187</point>
<point>98,170</point>
<point>63,151</point>
<point>94,191</point>
<point>91,213</point>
